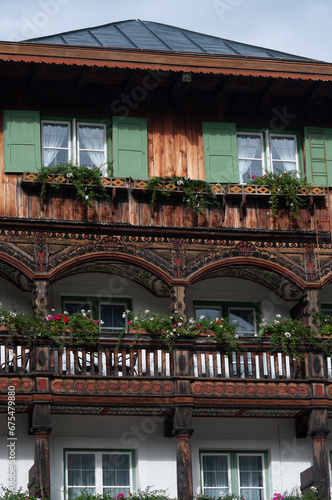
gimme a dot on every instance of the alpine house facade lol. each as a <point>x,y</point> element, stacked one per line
<point>191,414</point>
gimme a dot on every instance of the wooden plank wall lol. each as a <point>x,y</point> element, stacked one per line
<point>175,146</point>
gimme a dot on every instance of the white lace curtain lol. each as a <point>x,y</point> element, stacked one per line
<point>55,136</point>
<point>249,147</point>
<point>283,149</point>
<point>91,140</point>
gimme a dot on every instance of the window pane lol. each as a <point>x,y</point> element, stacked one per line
<point>55,144</point>
<point>91,139</point>
<point>215,471</point>
<point>283,154</point>
<point>207,312</point>
<point>116,471</point>
<point>111,315</point>
<point>244,319</point>
<point>251,477</point>
<point>81,469</point>
<point>250,156</point>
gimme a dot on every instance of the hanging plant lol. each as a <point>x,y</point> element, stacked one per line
<point>283,186</point>
<point>86,181</point>
<point>195,193</point>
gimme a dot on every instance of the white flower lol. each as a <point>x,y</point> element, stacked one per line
<point>12,314</point>
<point>236,335</point>
<point>123,315</point>
<point>151,319</point>
<point>102,322</point>
<point>179,324</point>
<point>69,175</point>
<point>191,321</point>
<point>52,310</point>
<point>146,311</point>
<point>86,197</point>
<point>278,315</point>
<point>127,311</point>
<point>180,182</point>
<point>287,334</point>
<point>201,316</point>
<point>82,311</point>
<point>65,312</point>
<point>136,318</point>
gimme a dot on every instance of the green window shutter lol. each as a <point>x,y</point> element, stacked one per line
<point>220,152</point>
<point>130,142</point>
<point>21,133</point>
<point>315,157</point>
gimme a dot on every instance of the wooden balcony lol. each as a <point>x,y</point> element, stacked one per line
<point>240,206</point>
<point>197,372</point>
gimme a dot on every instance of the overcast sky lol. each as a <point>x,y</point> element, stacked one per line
<point>301,27</point>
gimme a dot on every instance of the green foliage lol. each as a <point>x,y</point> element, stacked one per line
<point>147,494</point>
<point>169,327</point>
<point>285,335</point>
<point>7,494</point>
<point>78,328</point>
<point>283,185</point>
<point>196,193</point>
<point>86,181</point>
<point>295,494</point>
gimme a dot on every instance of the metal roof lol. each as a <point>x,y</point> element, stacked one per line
<point>137,34</point>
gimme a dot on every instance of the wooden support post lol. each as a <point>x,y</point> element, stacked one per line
<point>311,306</point>
<point>318,430</point>
<point>179,304</point>
<point>41,428</point>
<point>40,300</point>
<point>183,430</point>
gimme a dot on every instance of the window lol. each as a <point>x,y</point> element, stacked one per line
<point>235,156</point>
<point>108,311</point>
<point>237,473</point>
<point>32,142</point>
<point>278,151</point>
<point>244,316</point>
<point>83,143</point>
<point>98,472</point>
<point>250,155</point>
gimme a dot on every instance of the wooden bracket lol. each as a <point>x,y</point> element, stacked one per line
<point>243,206</point>
<point>310,208</point>
<point>113,199</point>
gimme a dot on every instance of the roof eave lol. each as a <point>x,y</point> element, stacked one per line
<point>164,60</point>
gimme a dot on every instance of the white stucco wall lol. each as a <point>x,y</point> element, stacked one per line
<point>155,454</point>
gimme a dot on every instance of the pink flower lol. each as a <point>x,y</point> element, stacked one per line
<point>175,325</point>
<point>129,322</point>
<point>120,495</point>
<point>254,176</point>
<point>95,321</point>
<point>198,325</point>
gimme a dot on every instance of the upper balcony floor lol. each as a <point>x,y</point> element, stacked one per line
<point>133,125</point>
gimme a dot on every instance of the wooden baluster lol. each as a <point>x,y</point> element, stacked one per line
<point>108,361</point>
<point>222,364</point>
<point>148,371</point>
<point>253,364</point>
<point>83,370</point>
<point>139,362</point>
<point>156,371</point>
<point>276,365</point>
<point>76,367</point>
<point>116,362</point>
<point>199,364</point>
<point>261,365</point>
<point>163,363</point>
<point>51,358</point>
<point>7,359</point>
<point>67,360</point>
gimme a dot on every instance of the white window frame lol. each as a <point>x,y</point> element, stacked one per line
<point>104,150</point>
<point>73,139</point>
<point>98,468</point>
<point>234,470</point>
<point>58,122</point>
<point>268,136</point>
<point>229,472</point>
<point>260,134</point>
<point>244,308</point>
<point>263,488</point>
<point>114,329</point>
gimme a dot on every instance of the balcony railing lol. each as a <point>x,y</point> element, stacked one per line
<point>152,359</point>
<point>240,206</point>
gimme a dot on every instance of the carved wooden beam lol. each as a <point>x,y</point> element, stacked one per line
<point>41,428</point>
